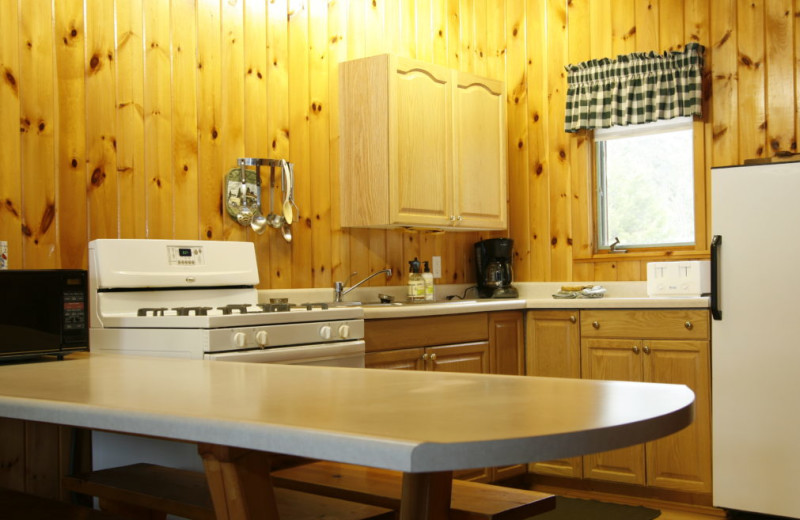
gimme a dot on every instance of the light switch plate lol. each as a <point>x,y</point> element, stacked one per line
<point>436,268</point>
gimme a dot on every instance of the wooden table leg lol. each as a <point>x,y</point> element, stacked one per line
<point>426,496</point>
<point>240,483</point>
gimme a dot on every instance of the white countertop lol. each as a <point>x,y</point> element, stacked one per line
<point>408,421</point>
<point>532,295</point>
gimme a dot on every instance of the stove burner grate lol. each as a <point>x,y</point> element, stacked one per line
<point>233,308</point>
<point>189,311</point>
<point>151,311</point>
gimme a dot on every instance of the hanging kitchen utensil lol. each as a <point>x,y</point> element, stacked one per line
<point>273,219</point>
<point>287,185</point>
<point>286,230</point>
<point>259,221</point>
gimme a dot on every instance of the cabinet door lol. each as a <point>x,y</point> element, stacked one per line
<point>619,360</point>
<point>420,141</point>
<point>479,143</point>
<point>404,359</point>
<point>553,349</point>
<point>682,460</point>
<point>506,343</point>
<point>472,358</point>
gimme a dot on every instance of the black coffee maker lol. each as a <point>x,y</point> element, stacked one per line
<point>493,266</point>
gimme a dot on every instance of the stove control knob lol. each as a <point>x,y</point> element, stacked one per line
<point>325,332</point>
<point>344,331</point>
<point>262,338</point>
<point>239,339</point>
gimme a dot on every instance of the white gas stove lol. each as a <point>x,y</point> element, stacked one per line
<point>197,299</point>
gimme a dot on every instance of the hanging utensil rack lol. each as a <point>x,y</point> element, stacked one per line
<point>243,195</point>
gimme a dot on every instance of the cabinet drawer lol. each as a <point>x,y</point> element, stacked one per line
<point>395,333</point>
<point>666,324</point>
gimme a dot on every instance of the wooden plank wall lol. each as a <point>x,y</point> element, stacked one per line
<point>119,118</point>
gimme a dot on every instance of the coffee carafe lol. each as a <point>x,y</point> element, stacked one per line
<point>493,266</point>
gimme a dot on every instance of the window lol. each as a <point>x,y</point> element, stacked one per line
<point>645,185</point>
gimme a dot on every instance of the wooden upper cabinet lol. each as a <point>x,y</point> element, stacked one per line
<point>480,180</point>
<point>420,145</point>
<point>421,164</point>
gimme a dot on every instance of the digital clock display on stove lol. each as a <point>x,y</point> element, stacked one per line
<point>185,256</point>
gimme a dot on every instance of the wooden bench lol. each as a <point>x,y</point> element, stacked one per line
<point>14,504</point>
<point>380,487</point>
<point>151,492</point>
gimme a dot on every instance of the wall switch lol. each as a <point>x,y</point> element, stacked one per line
<point>436,268</point>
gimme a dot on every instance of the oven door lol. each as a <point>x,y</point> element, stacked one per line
<point>338,354</point>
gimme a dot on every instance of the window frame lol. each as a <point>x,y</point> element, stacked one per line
<point>585,208</point>
<point>622,132</point>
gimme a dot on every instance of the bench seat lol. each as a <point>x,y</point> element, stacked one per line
<point>15,504</point>
<point>151,491</point>
<point>380,487</point>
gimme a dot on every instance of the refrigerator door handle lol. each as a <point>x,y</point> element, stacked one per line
<point>716,244</point>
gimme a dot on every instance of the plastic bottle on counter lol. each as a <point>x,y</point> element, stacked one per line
<point>427,276</point>
<point>416,284</point>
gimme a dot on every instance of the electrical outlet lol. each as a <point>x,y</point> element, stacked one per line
<point>436,268</point>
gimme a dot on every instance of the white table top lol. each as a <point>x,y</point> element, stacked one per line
<point>407,421</point>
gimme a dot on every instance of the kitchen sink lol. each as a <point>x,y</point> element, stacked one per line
<point>409,303</point>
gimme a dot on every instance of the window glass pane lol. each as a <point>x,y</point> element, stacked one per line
<point>646,189</point>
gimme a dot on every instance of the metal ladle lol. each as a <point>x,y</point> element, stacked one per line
<point>273,219</point>
<point>259,222</point>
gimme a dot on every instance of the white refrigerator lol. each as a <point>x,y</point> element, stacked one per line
<point>755,264</point>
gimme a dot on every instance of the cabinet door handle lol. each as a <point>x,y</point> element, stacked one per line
<point>636,349</point>
<point>572,319</point>
<point>596,324</point>
<point>688,325</point>
<point>433,357</point>
<point>425,357</point>
<point>459,218</point>
<point>452,218</point>
<point>646,349</point>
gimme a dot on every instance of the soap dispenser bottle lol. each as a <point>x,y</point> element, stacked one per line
<point>427,276</point>
<point>416,284</point>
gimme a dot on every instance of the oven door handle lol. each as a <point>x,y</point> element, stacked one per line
<point>341,353</point>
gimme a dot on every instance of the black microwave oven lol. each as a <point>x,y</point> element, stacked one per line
<point>43,312</point>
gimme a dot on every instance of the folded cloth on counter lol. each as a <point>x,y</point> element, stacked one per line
<point>584,291</point>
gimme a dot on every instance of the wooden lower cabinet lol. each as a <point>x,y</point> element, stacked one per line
<point>662,346</point>
<point>478,343</point>
<point>470,358</point>
<point>681,461</point>
<point>553,349</point>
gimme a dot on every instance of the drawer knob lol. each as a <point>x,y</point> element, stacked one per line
<point>572,319</point>
<point>425,357</point>
<point>646,349</point>
<point>433,357</point>
<point>636,349</point>
<point>688,325</point>
<point>596,324</point>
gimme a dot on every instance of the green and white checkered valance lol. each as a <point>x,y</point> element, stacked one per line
<point>635,88</point>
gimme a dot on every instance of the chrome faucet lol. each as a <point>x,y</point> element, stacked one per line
<point>339,290</point>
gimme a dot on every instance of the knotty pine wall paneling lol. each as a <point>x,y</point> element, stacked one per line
<point>120,118</point>
<point>70,135</point>
<point>129,70</point>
